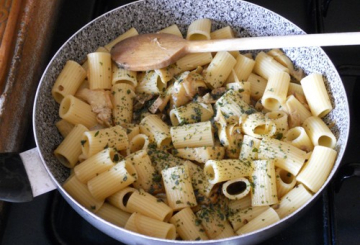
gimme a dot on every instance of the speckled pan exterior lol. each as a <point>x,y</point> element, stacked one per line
<point>152,15</point>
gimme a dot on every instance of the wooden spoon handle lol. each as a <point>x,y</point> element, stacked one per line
<point>269,42</point>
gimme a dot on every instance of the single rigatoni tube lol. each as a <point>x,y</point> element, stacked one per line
<point>113,214</point>
<point>68,81</point>
<point>192,135</point>
<point>258,126</point>
<point>120,75</point>
<point>150,227</point>
<point>108,183</point>
<point>293,200</point>
<point>316,94</point>
<point>187,225</point>
<point>97,140</point>
<point>200,154</point>
<point>285,181</point>
<point>117,199</point>
<point>228,231</point>
<point>139,142</point>
<point>265,65</point>
<point>199,30</point>
<point>286,156</point>
<point>69,150</point>
<point>264,219</point>
<point>64,127</point>
<point>130,33</point>
<point>213,220</point>
<point>275,93</point>
<point>243,67</point>
<point>146,204</point>
<point>96,164</point>
<point>218,171</point>
<point>296,110</point>
<point>298,137</point>
<point>319,132</point>
<point>85,65</point>
<point>99,71</point>
<point>157,130</point>
<point>257,86</point>
<point>236,188</point>
<point>145,171</point>
<point>122,96</point>
<point>76,111</point>
<point>151,84</point>
<point>173,29</point>
<point>317,168</point>
<point>178,187</point>
<point>192,112</point>
<point>243,216</point>
<point>263,181</point>
<point>219,69</point>
<point>81,194</point>
<point>191,61</point>
<point>201,186</point>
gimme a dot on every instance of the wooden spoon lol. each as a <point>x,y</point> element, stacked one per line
<point>154,51</point>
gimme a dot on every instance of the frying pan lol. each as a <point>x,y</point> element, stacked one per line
<point>150,16</point>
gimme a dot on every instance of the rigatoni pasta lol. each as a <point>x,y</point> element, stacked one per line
<point>316,94</point>
<point>317,168</point>
<point>68,81</point>
<point>99,70</point>
<point>263,181</point>
<point>107,183</point>
<point>219,69</point>
<point>69,150</point>
<point>76,111</point>
<point>206,147</point>
<point>276,91</point>
<point>192,135</point>
<point>178,187</point>
<point>81,194</point>
<point>114,215</point>
<point>94,141</point>
<point>319,132</point>
<point>286,156</point>
<point>156,130</point>
<point>96,164</point>
<point>187,225</point>
<point>151,227</point>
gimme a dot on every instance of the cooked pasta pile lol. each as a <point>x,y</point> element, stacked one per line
<point>213,146</point>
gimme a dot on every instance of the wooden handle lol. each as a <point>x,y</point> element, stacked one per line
<point>269,42</point>
<point>9,12</point>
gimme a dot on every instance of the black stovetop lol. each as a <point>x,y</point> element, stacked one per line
<point>333,219</point>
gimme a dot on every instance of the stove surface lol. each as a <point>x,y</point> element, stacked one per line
<point>333,219</point>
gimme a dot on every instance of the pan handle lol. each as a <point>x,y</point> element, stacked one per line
<point>23,176</point>
<point>346,171</point>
